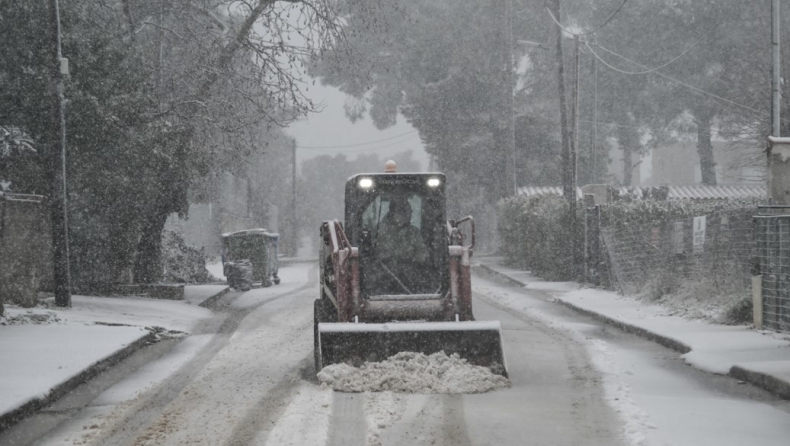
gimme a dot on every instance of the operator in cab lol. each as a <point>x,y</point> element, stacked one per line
<point>401,249</point>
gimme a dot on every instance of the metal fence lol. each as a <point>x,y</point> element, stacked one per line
<point>705,256</point>
<point>772,256</point>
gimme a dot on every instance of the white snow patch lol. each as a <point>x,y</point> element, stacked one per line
<point>197,294</point>
<point>382,409</point>
<point>619,394</point>
<point>311,407</point>
<point>715,348</point>
<point>410,372</point>
<point>36,358</point>
<point>216,269</point>
<point>551,286</point>
<point>44,347</point>
<point>29,317</point>
<point>292,277</point>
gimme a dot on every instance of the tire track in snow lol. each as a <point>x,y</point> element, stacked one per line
<point>417,419</point>
<point>259,421</point>
<point>146,409</point>
<point>591,391</point>
<point>347,425</point>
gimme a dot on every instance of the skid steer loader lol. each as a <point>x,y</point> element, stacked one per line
<point>396,277</point>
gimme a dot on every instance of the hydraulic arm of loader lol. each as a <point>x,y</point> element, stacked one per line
<point>345,270</point>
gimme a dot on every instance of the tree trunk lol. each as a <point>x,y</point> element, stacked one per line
<point>628,140</point>
<point>148,263</point>
<point>704,147</point>
<point>628,165</point>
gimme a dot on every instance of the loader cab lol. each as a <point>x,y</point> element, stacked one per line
<point>398,222</point>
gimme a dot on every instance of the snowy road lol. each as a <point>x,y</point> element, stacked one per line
<point>247,378</point>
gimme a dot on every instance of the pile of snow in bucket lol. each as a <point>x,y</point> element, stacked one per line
<point>411,372</point>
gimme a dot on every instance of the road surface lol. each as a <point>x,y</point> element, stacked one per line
<point>246,377</point>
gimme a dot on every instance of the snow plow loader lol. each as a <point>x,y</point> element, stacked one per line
<point>396,277</point>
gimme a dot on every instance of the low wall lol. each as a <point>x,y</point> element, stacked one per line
<point>21,242</point>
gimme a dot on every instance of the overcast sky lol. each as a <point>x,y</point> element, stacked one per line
<point>331,128</point>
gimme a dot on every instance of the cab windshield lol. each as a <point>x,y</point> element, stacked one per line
<point>403,243</point>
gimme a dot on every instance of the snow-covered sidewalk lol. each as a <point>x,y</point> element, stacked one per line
<point>759,357</point>
<point>46,351</point>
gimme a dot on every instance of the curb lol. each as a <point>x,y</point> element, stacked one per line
<point>770,383</point>
<point>295,260</point>
<point>669,343</point>
<point>9,419</point>
<point>628,328</point>
<point>492,272</point>
<point>211,300</point>
<point>761,380</point>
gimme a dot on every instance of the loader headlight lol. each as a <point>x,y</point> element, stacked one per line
<point>365,183</point>
<point>434,182</point>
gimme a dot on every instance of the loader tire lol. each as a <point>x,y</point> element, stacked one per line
<point>323,311</point>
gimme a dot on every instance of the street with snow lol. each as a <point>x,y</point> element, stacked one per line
<point>244,375</point>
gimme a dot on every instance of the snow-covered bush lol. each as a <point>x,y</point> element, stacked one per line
<point>19,169</point>
<point>182,263</point>
<point>535,234</point>
<point>626,213</point>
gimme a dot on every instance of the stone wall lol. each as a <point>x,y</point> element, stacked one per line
<point>21,241</point>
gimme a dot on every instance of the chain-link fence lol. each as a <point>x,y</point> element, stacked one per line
<point>772,255</point>
<point>702,262</point>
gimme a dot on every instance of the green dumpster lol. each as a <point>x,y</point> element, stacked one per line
<point>255,248</point>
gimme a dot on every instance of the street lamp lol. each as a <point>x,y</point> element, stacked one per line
<point>60,220</point>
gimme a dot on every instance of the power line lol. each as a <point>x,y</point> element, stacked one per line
<point>358,144</point>
<point>372,149</point>
<point>658,67</point>
<point>606,22</point>
<point>614,124</point>
<point>691,87</point>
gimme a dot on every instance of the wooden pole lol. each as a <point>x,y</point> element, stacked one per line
<point>59,199</point>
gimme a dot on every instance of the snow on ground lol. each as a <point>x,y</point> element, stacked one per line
<point>714,348</point>
<point>311,407</point>
<point>36,358</point>
<point>308,247</point>
<point>137,311</point>
<point>636,423</point>
<point>88,423</point>
<point>292,277</point>
<point>197,294</point>
<point>657,406</point>
<point>215,269</point>
<point>153,372</point>
<point>686,409</point>
<point>411,372</point>
<point>60,343</point>
<point>382,410</point>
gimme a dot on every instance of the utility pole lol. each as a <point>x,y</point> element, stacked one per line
<point>777,167</point>
<point>594,125</point>
<point>567,192</point>
<point>60,220</point>
<point>776,71</point>
<point>294,225</point>
<point>575,117</point>
<point>511,131</point>
<point>572,171</point>
<point>504,124</point>
<point>568,159</point>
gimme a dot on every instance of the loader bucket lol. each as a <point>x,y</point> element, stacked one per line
<point>479,342</point>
